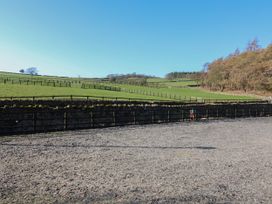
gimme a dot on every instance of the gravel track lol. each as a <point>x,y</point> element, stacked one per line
<point>203,162</point>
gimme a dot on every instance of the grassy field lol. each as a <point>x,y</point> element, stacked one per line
<point>172,89</point>
<point>7,90</point>
<point>173,83</point>
<point>185,92</point>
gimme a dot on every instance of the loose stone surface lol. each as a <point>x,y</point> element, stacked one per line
<point>202,162</point>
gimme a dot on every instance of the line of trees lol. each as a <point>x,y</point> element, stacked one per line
<point>250,70</point>
<point>132,79</point>
<point>183,75</point>
<point>126,76</point>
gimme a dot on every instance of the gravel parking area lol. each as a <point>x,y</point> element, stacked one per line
<point>203,162</point>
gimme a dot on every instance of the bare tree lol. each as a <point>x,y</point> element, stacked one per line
<point>205,67</point>
<point>253,46</point>
<point>236,52</point>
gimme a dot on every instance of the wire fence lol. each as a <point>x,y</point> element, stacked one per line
<point>36,82</point>
<point>103,98</point>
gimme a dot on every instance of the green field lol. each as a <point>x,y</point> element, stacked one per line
<point>185,92</point>
<point>171,89</point>
<point>7,90</point>
<point>172,83</point>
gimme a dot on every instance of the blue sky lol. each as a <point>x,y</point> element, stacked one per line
<point>99,37</point>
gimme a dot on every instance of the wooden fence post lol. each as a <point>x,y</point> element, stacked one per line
<point>113,118</point>
<point>92,120</point>
<point>34,121</point>
<point>256,115</point>
<point>65,120</point>
<point>134,116</point>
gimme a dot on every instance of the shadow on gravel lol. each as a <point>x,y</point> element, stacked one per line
<point>109,146</point>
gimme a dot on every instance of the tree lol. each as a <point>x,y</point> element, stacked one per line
<point>247,71</point>
<point>253,46</point>
<point>205,67</point>
<point>32,71</point>
<point>22,71</point>
<point>236,52</point>
<point>179,75</point>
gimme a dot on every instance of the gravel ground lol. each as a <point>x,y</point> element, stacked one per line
<point>204,162</point>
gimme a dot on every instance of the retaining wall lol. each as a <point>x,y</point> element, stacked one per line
<point>19,117</point>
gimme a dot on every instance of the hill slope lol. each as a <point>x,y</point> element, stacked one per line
<point>17,85</point>
<point>247,71</point>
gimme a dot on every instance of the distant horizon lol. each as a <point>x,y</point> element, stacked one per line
<point>1,70</point>
<point>95,38</point>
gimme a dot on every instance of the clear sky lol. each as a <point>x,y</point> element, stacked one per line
<point>99,37</point>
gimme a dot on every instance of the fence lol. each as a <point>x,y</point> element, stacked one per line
<point>45,116</point>
<point>53,83</point>
<point>99,86</point>
<point>72,98</point>
<point>92,97</point>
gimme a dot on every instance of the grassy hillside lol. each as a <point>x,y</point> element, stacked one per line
<point>19,85</point>
<point>30,90</point>
<point>180,92</point>
<point>172,83</point>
